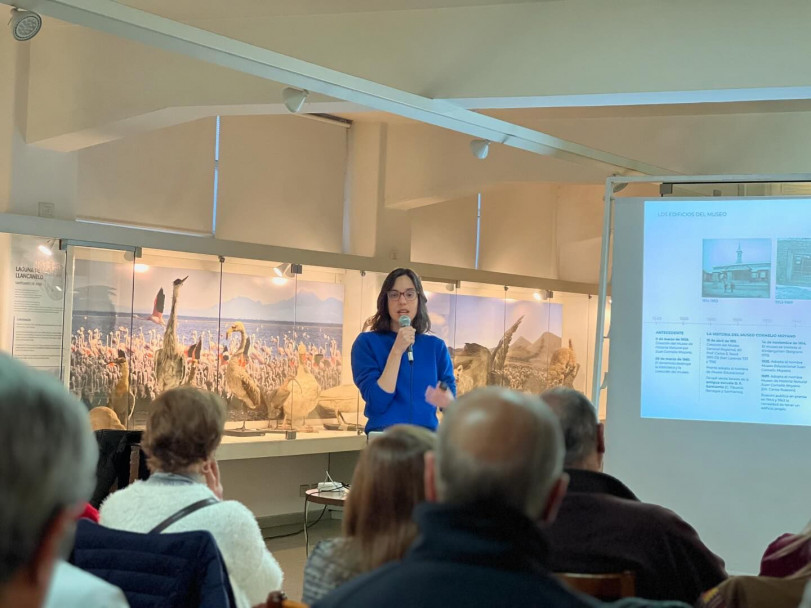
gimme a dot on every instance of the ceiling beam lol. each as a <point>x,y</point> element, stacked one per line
<point>123,21</point>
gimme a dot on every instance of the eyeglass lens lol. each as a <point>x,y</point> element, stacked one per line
<point>410,294</point>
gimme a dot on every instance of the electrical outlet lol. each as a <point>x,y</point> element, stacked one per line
<point>45,209</point>
<point>302,489</point>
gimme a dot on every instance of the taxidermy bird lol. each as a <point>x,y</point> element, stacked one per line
<point>476,366</point>
<point>563,367</point>
<point>102,418</point>
<point>157,309</point>
<point>237,379</point>
<point>342,399</point>
<point>193,354</point>
<point>121,399</point>
<point>170,363</point>
<point>302,395</point>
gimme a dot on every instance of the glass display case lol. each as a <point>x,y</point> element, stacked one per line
<point>272,338</point>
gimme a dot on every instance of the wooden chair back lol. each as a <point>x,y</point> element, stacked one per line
<point>135,460</point>
<point>613,586</point>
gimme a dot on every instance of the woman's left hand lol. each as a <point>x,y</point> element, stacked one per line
<point>440,398</point>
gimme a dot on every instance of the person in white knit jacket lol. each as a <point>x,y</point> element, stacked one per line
<point>184,426</point>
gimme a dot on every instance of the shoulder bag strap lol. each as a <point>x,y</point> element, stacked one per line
<point>195,506</point>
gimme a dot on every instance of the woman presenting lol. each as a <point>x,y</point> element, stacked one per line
<point>404,374</point>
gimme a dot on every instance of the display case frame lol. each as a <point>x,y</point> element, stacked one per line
<point>362,277</point>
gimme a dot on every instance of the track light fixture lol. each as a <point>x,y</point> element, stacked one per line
<point>480,148</point>
<point>294,99</point>
<point>24,24</point>
<point>287,270</point>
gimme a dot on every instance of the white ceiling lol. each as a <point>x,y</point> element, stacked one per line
<point>195,10</point>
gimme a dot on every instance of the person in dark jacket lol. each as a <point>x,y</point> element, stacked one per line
<point>496,471</point>
<point>603,527</point>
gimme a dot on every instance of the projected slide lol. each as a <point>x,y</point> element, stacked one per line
<point>727,311</point>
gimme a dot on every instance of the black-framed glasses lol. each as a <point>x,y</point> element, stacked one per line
<point>394,295</point>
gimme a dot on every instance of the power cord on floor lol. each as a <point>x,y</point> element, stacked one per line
<point>324,510</point>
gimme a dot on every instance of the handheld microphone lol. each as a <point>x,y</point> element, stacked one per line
<point>406,322</point>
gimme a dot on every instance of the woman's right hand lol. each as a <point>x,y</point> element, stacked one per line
<point>405,338</point>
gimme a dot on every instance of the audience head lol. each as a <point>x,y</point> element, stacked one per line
<point>500,447</point>
<point>184,427</point>
<point>387,485</point>
<point>583,433</point>
<point>48,462</point>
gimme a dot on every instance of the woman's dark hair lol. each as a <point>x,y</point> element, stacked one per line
<point>381,321</point>
<point>388,483</point>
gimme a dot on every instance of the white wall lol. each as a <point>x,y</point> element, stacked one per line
<point>364,187</point>
<point>282,182</point>
<point>519,230</point>
<point>161,178</point>
<point>29,175</point>
<point>445,233</point>
<point>83,80</point>
<point>8,75</point>
<point>693,46</point>
<point>426,165</point>
<point>270,486</point>
<point>579,228</point>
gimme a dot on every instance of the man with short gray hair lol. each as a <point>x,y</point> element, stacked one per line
<point>497,471</point>
<point>603,527</point>
<point>47,472</point>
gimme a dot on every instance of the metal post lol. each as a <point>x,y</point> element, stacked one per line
<point>608,211</point>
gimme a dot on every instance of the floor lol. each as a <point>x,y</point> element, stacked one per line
<point>289,552</point>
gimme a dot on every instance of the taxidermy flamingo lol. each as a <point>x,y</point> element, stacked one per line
<point>237,378</point>
<point>193,354</point>
<point>170,362</point>
<point>157,309</point>
<point>121,399</point>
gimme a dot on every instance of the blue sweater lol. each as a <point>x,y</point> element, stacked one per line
<point>432,363</point>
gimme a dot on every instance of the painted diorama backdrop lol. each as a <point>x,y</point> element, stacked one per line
<point>270,349</point>
<point>504,342</point>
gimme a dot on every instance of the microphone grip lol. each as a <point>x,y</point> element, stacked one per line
<point>411,354</point>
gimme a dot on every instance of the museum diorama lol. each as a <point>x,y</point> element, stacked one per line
<point>121,325</point>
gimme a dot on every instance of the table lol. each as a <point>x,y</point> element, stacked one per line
<point>332,498</point>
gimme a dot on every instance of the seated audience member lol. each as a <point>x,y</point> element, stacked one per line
<point>603,527</point>
<point>758,592</point>
<point>497,470</point>
<point>388,483</point>
<point>184,426</point>
<point>785,570</point>
<point>47,473</point>
<point>787,554</point>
